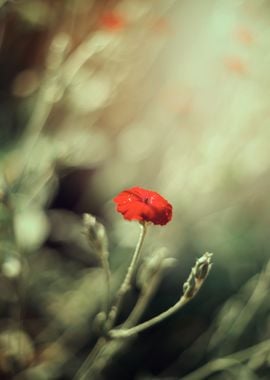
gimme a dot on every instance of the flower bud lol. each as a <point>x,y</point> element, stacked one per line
<point>95,233</point>
<point>189,287</point>
<point>202,266</point>
<point>197,275</point>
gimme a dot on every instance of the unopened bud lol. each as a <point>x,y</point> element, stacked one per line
<point>95,233</point>
<point>197,275</point>
<point>189,287</point>
<point>203,266</point>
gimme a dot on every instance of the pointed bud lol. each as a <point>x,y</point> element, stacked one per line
<point>203,266</point>
<point>197,275</point>
<point>95,233</point>
<point>189,287</point>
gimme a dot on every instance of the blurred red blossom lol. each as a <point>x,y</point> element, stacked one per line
<point>112,21</point>
<point>243,35</point>
<point>161,26</point>
<point>236,64</point>
<point>176,101</point>
<point>143,205</point>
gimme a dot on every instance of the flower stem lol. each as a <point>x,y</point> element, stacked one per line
<point>143,301</point>
<point>126,333</point>
<point>106,268</point>
<point>191,287</point>
<point>127,280</point>
<point>83,370</point>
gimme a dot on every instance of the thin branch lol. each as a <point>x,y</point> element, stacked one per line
<point>143,301</point>
<point>126,283</point>
<point>126,333</point>
<point>191,287</point>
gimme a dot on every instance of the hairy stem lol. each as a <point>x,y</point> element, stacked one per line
<point>191,287</point>
<point>127,280</point>
<point>125,333</point>
<point>107,273</point>
<point>143,301</point>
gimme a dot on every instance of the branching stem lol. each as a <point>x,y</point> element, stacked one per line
<point>126,333</point>
<point>194,282</point>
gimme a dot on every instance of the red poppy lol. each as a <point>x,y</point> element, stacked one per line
<point>143,205</point>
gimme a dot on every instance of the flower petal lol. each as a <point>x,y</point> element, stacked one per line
<point>143,205</point>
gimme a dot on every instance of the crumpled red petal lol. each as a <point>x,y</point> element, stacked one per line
<point>144,206</point>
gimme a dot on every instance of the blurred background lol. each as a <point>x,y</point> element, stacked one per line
<point>98,96</point>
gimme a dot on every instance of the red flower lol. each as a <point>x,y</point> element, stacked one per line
<point>143,205</point>
<point>112,21</point>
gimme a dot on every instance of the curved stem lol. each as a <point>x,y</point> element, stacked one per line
<point>127,280</point>
<point>125,333</point>
<point>194,282</point>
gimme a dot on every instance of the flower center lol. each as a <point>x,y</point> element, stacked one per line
<point>147,200</point>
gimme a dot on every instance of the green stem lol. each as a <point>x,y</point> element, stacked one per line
<point>107,273</point>
<point>83,370</point>
<point>126,333</point>
<point>143,301</point>
<point>191,287</point>
<point>126,283</point>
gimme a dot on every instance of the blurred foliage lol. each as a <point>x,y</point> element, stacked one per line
<point>97,96</point>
